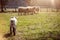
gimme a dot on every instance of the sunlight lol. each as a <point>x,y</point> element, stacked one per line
<point>52,1</point>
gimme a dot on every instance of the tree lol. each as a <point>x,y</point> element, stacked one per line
<point>2,4</point>
<point>28,2</point>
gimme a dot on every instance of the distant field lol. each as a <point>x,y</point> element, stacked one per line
<point>41,26</point>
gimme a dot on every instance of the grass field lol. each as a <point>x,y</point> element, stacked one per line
<point>42,26</point>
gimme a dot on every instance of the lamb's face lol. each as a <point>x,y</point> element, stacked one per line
<point>12,22</point>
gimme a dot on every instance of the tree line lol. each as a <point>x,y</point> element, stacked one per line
<point>3,3</point>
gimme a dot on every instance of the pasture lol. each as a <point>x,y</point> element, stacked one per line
<point>41,26</point>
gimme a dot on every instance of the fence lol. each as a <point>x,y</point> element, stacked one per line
<point>40,10</point>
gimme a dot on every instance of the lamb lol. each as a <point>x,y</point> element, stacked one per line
<point>13,23</point>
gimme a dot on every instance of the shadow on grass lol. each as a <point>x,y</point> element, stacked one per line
<point>49,36</point>
<point>7,35</point>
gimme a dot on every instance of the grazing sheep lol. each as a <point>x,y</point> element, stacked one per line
<point>36,9</point>
<point>28,9</point>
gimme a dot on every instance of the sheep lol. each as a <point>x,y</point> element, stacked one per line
<point>28,9</point>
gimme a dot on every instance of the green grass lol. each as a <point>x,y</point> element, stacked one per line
<point>33,27</point>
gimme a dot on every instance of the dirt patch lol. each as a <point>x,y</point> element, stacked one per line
<point>1,37</point>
